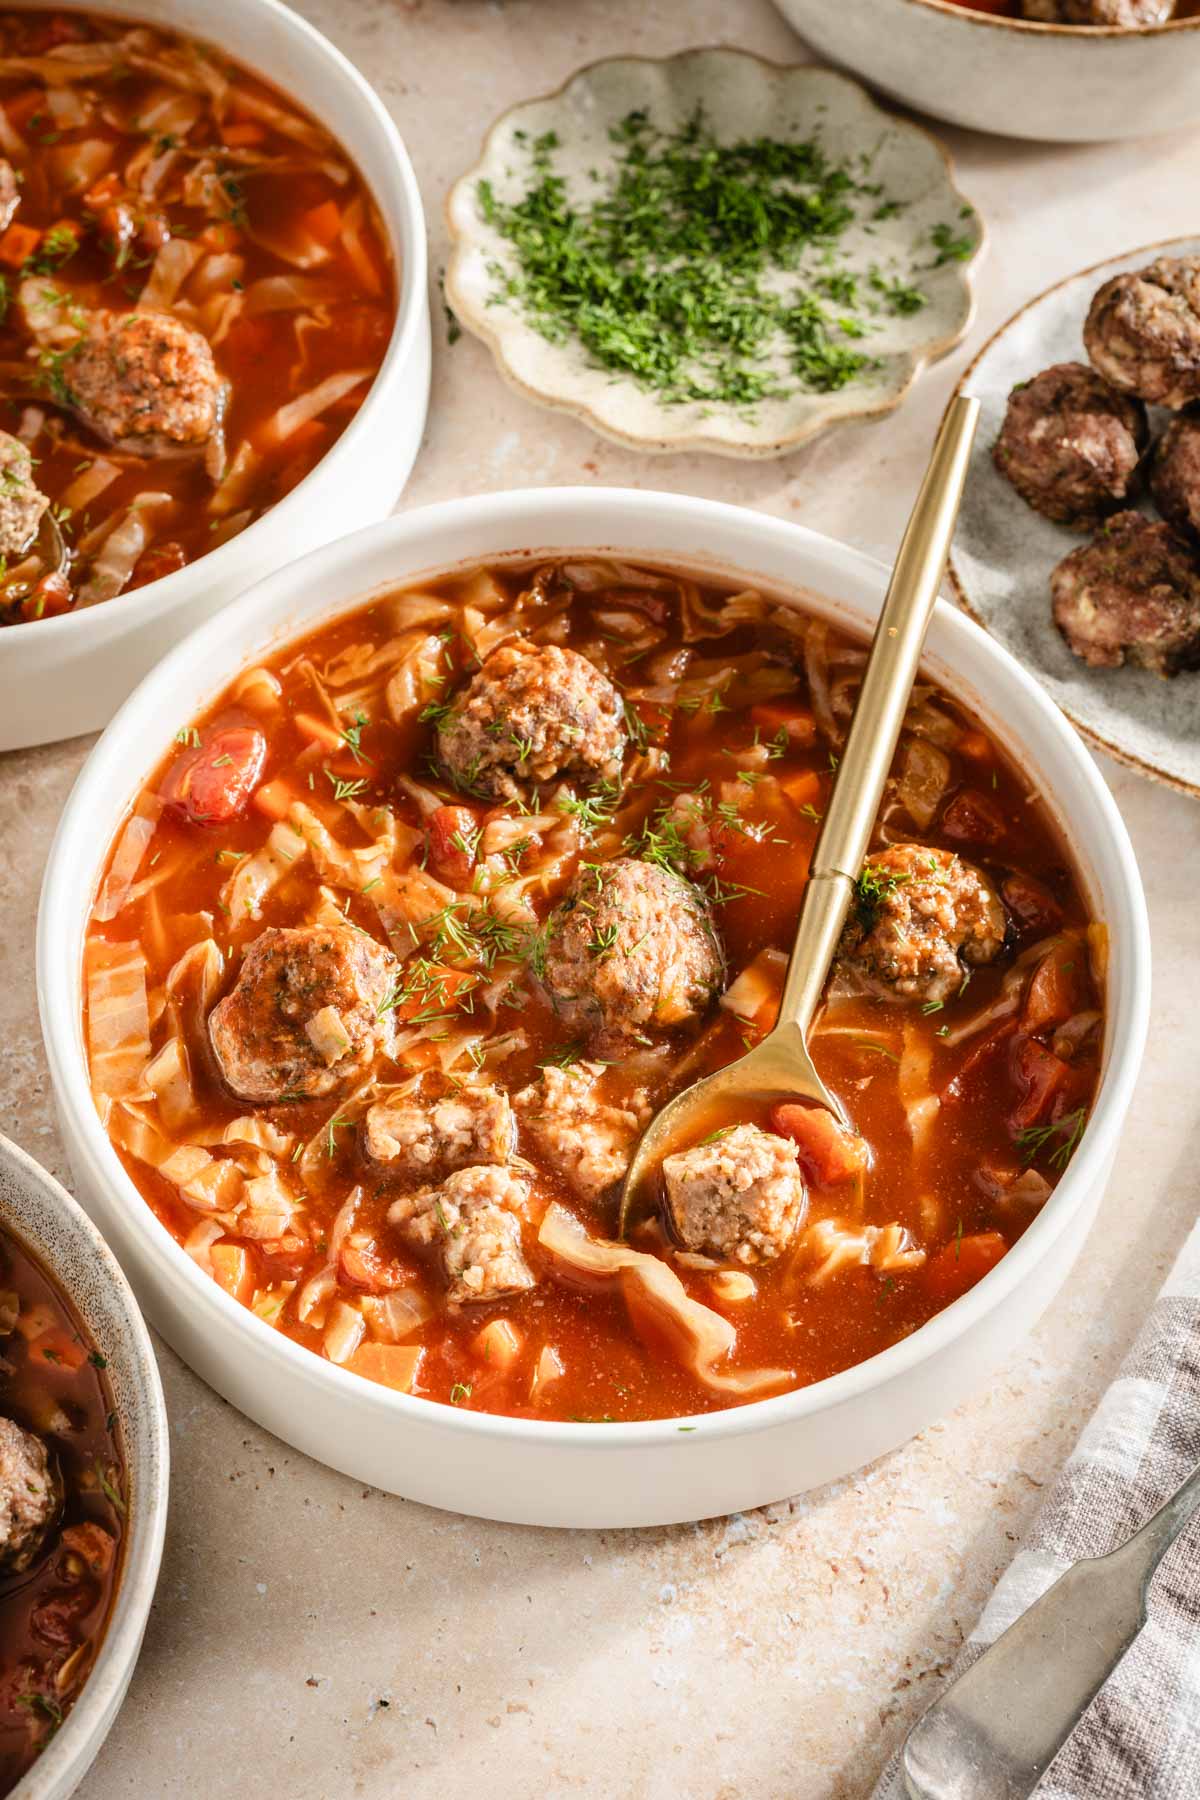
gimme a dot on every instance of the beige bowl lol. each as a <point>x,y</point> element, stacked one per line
<point>1029,81</point>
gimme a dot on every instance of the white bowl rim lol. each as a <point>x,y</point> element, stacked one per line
<point>404,216</point>
<point>143,1548</point>
<point>1040,28</point>
<point>508,512</point>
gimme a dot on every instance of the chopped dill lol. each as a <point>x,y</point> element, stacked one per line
<point>1036,1139</point>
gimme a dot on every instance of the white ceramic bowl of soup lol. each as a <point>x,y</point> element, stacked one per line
<point>66,675</point>
<point>645,1473</point>
<point>1019,79</point>
<point>38,1211</point>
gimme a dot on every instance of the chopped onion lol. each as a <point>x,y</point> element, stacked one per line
<point>122,547</point>
<point>416,678</point>
<point>354,243</point>
<point>924,778</point>
<point>326,1032</point>
<point>759,985</point>
<point>170,269</point>
<point>65,106</point>
<point>290,417</point>
<point>73,168</point>
<point>168,1077</point>
<point>254,104</point>
<point>11,142</point>
<point>395,1316</point>
<point>816,669</point>
<point>344,1332</point>
<point>89,484</point>
<point>200,1240</point>
<point>263,870</point>
<point>285,293</point>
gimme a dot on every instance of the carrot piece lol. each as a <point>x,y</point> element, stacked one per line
<point>393,1365</point>
<point>275,798</point>
<point>774,716</point>
<point>319,731</point>
<point>18,244</point>
<point>802,787</point>
<point>55,1349</point>
<point>243,133</point>
<point>497,1343</point>
<point>961,1263</point>
<point>231,1268</point>
<point>323,222</point>
<point>221,236</point>
<point>829,1153</point>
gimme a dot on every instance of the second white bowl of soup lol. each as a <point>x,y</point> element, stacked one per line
<point>410,923</point>
<point>218,337</point>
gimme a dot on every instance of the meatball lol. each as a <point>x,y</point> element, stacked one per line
<point>1129,13</point>
<point>30,1495</point>
<point>22,502</point>
<point>921,918</point>
<point>1070,444</point>
<point>1131,595</point>
<point>1142,332</point>
<point>740,1196</point>
<point>587,1141</point>
<point>472,1219</point>
<point>308,1014</point>
<point>631,950</point>
<point>410,1137</point>
<point>143,382</point>
<point>1175,474</point>
<point>532,714</point>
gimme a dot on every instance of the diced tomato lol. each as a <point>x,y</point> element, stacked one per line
<point>159,560</point>
<point>1055,992</point>
<point>1032,907</point>
<point>92,1544</point>
<point>961,1263</point>
<point>980,1053</point>
<point>1039,1076</point>
<point>452,833</point>
<point>774,716</point>
<point>973,818</point>
<point>829,1153</point>
<point>802,787</point>
<point>232,1269</point>
<point>212,782</point>
<point>52,595</point>
<point>57,1350</point>
<point>18,244</point>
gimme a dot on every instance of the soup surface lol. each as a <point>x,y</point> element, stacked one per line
<point>194,298</point>
<point>408,937</point>
<point>62,1507</point>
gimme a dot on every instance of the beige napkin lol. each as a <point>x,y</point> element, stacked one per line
<point>1140,1738</point>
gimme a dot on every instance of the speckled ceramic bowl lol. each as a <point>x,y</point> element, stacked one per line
<point>1004,552</point>
<point>1056,82</point>
<point>739,96</point>
<point>35,1208</point>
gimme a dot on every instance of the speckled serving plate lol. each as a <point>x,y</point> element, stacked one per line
<point>1004,552</point>
<point>740,96</point>
<point>36,1209</point>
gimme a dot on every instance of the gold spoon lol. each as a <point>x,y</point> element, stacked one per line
<point>781,1068</point>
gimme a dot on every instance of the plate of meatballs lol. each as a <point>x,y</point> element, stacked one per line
<point>1079,540</point>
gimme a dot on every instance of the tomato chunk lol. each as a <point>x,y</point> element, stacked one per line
<point>1031,906</point>
<point>1055,991</point>
<point>973,818</point>
<point>452,833</point>
<point>829,1153</point>
<point>959,1264</point>
<point>794,721</point>
<point>159,560</point>
<point>1040,1077</point>
<point>212,781</point>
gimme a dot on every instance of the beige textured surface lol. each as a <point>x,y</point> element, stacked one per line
<point>317,1641</point>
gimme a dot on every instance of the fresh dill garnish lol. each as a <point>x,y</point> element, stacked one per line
<point>345,790</point>
<point>704,271</point>
<point>459,1392</point>
<point>1035,1139</point>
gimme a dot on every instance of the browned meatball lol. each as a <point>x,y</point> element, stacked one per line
<point>30,1495</point>
<point>472,1220</point>
<point>308,1015</point>
<point>143,382</point>
<point>1142,332</point>
<point>739,1196</point>
<point>1098,12</point>
<point>22,502</point>
<point>1131,595</point>
<point>411,1137</point>
<point>1070,444</point>
<point>584,1138</point>
<point>1175,474</point>
<point>920,919</point>
<point>631,951</point>
<point>532,714</point>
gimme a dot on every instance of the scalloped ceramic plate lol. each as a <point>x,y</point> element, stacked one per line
<point>1004,552</point>
<point>741,96</point>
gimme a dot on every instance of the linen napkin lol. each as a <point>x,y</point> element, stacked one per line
<point>1140,1738</point>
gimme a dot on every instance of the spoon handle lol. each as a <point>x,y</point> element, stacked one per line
<point>879,714</point>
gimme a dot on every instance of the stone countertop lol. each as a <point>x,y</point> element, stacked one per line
<point>315,1639</point>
